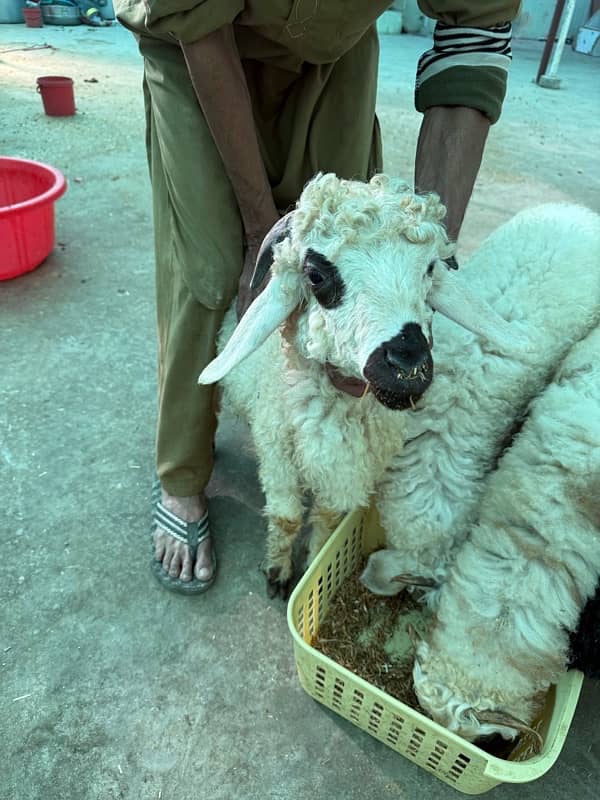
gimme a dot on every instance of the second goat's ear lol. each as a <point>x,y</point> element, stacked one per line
<point>264,258</point>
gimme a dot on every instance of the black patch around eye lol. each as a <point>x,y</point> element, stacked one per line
<point>430,268</point>
<point>324,279</point>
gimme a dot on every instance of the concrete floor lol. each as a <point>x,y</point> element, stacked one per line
<point>112,687</point>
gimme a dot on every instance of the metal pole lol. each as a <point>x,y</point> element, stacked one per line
<point>560,44</point>
<point>558,10</point>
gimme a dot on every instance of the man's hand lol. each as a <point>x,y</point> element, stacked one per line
<point>245,294</point>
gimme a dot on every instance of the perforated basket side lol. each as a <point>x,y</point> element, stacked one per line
<point>396,725</point>
<point>340,556</point>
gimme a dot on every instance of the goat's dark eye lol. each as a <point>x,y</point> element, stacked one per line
<point>317,269</point>
<point>430,268</point>
<point>324,279</point>
<point>315,277</point>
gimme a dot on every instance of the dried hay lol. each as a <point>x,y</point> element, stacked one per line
<point>367,635</point>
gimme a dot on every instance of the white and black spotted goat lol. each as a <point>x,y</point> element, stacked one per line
<point>357,270</point>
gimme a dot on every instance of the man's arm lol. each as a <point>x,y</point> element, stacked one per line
<point>460,88</point>
<point>220,85</point>
<point>449,152</point>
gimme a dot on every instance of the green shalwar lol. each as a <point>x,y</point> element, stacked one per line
<point>311,69</point>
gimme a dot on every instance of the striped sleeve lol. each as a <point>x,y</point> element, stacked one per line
<point>465,67</point>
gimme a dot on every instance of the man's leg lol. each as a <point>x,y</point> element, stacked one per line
<point>187,421</point>
<point>449,153</point>
<point>198,258</point>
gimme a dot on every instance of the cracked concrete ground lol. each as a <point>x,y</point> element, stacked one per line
<point>112,687</point>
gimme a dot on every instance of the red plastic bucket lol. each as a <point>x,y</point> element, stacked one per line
<point>57,95</point>
<point>33,17</point>
<point>28,190</point>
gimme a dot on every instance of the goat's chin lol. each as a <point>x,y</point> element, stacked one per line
<point>394,400</point>
<point>399,395</point>
<point>395,391</point>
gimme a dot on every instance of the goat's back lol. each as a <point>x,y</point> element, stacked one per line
<point>541,266</point>
<point>541,271</point>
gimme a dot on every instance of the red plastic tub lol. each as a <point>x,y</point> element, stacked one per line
<point>57,93</point>
<point>28,190</point>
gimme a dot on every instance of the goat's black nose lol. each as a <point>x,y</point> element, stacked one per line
<point>407,349</point>
<point>394,358</point>
<point>401,369</point>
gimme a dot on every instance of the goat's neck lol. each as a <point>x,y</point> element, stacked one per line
<point>297,362</point>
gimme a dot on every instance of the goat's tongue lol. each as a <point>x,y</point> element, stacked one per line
<point>352,386</point>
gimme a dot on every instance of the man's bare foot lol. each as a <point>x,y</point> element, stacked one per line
<point>175,556</point>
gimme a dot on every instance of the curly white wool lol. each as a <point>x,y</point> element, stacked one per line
<point>354,214</point>
<point>518,584</point>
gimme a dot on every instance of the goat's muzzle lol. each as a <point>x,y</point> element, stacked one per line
<point>400,370</point>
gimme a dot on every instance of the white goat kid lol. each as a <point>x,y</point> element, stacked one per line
<point>356,271</point>
<point>519,583</point>
<point>541,272</point>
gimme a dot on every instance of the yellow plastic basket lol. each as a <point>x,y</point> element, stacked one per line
<point>449,757</point>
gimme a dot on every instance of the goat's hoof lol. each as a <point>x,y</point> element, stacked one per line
<point>416,581</point>
<point>276,586</point>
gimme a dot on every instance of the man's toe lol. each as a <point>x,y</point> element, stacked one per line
<point>167,558</point>
<point>159,547</point>
<point>175,566</point>
<point>186,569</point>
<point>204,567</point>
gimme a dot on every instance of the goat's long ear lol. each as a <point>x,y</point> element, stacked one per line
<point>264,259</point>
<point>452,297</point>
<point>265,315</point>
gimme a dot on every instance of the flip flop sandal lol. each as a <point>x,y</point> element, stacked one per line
<point>192,534</point>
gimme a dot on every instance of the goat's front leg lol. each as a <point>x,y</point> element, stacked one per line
<point>420,546</point>
<point>284,512</point>
<point>283,529</point>
<point>323,521</point>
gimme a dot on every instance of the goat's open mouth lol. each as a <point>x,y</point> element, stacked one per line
<point>400,389</point>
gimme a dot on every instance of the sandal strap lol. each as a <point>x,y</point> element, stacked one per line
<point>190,533</point>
